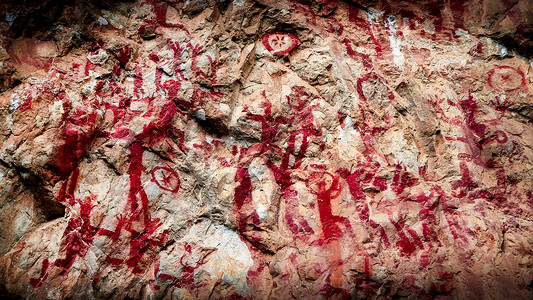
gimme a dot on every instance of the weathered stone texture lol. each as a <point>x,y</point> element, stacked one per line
<point>266,149</point>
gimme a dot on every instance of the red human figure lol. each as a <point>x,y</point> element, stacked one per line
<point>326,187</point>
<point>78,236</point>
<point>186,280</point>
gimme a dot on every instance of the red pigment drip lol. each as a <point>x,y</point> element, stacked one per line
<point>37,282</point>
<point>68,187</point>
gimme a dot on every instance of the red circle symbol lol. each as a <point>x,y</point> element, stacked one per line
<point>500,137</point>
<point>280,42</point>
<point>166,178</point>
<point>506,78</point>
<point>324,184</point>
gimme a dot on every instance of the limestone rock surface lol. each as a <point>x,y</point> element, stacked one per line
<point>266,149</point>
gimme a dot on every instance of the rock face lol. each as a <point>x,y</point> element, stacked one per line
<point>266,149</point>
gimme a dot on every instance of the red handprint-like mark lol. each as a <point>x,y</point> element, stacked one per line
<point>500,105</point>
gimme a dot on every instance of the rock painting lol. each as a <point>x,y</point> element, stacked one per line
<point>266,150</point>
<point>280,43</point>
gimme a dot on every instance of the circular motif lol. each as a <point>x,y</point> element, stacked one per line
<point>506,78</point>
<point>500,136</point>
<point>279,42</point>
<point>166,178</point>
<point>324,184</point>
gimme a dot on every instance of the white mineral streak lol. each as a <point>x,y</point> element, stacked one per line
<point>102,21</point>
<point>395,43</point>
<point>502,49</point>
<point>16,102</point>
<point>263,190</point>
<point>348,133</point>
